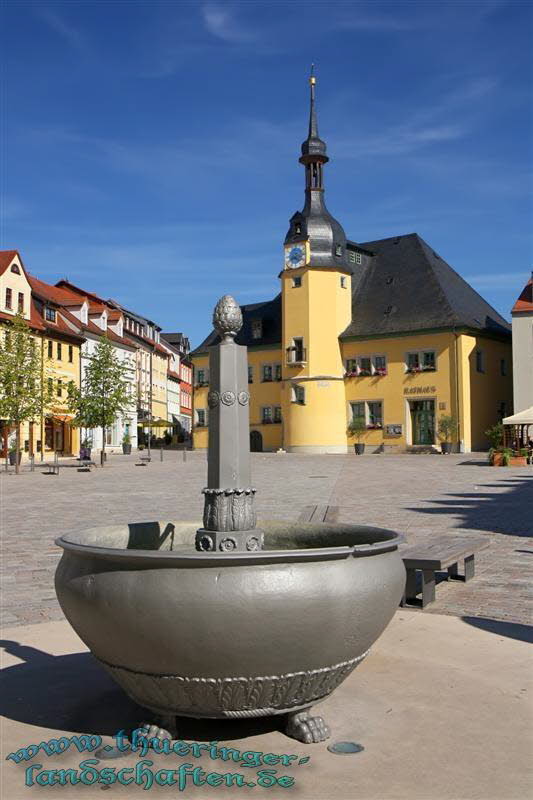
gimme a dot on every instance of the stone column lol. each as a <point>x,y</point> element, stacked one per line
<point>229,514</point>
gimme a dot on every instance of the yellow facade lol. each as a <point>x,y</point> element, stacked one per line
<point>476,397</point>
<point>159,386</point>
<point>61,365</point>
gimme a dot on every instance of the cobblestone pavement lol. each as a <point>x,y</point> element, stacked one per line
<point>419,495</point>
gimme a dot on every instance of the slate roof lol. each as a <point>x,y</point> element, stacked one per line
<point>407,287</point>
<point>404,287</point>
<point>525,301</point>
<point>270,315</point>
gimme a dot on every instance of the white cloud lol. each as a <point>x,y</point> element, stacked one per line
<point>71,35</point>
<point>220,20</point>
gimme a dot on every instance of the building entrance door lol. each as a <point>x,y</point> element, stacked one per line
<point>423,421</point>
<point>256,442</point>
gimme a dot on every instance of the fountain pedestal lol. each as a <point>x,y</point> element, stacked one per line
<point>229,514</point>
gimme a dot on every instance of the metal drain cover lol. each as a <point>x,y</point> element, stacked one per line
<point>345,748</point>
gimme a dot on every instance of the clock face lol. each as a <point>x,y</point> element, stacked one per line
<point>295,256</point>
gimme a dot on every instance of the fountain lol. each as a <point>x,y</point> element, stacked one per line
<point>226,620</point>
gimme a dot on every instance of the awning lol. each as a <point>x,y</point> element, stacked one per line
<point>155,423</point>
<point>60,417</point>
<point>524,417</point>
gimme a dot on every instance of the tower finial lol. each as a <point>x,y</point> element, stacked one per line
<point>312,79</point>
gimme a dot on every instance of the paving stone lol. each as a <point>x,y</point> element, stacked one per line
<point>420,496</point>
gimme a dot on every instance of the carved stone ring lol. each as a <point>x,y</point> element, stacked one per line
<point>228,398</point>
<point>243,398</point>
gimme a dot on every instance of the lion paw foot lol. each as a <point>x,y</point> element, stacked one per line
<point>305,728</point>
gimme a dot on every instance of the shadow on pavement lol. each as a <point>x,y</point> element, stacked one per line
<point>73,693</point>
<point>506,512</point>
<point>512,630</point>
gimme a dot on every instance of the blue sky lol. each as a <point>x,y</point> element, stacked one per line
<point>150,149</point>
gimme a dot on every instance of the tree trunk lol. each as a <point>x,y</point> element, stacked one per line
<point>102,454</point>
<point>17,445</point>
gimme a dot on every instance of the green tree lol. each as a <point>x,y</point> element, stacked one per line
<point>24,383</point>
<point>105,393</point>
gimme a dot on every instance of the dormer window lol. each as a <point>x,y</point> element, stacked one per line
<point>257,329</point>
<point>50,314</point>
<point>338,250</point>
<point>297,228</point>
<point>15,268</point>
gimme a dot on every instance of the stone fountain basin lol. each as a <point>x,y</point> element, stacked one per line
<point>229,635</point>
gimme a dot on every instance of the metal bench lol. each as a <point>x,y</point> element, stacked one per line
<point>85,464</point>
<point>441,553</point>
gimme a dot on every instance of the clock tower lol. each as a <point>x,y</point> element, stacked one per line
<point>316,301</point>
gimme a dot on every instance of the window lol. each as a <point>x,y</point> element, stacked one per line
<point>250,374</point>
<point>354,257</point>
<point>422,361</point>
<point>338,250</point>
<point>200,417</point>
<point>371,412</point>
<point>9,296</point>
<point>50,314</point>
<point>277,413</point>
<point>21,303</point>
<point>358,410</point>
<point>503,367</point>
<point>267,373</point>
<point>362,366</point>
<point>297,282</point>
<point>59,387</point>
<point>297,228</point>
<point>266,415</point>
<point>379,364</point>
<point>343,281</point>
<point>428,360</point>
<point>277,372</point>
<point>351,256</point>
<point>365,365</point>
<point>257,329</point>
<point>358,258</point>
<point>15,268</point>
<point>50,348</point>
<point>201,378</point>
<point>351,365</point>
<point>297,351</point>
<point>298,395</point>
<point>50,385</point>
<point>480,361</point>
<point>59,351</point>
<point>375,415</point>
<point>413,362</point>
<point>70,353</point>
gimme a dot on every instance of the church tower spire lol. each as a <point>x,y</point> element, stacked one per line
<point>324,237</point>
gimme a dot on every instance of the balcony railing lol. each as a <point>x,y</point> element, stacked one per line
<point>296,356</point>
<point>201,384</point>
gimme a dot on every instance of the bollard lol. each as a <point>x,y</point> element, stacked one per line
<point>185,454</point>
<point>7,462</point>
<point>56,462</point>
<point>32,463</point>
<point>161,453</point>
<point>102,458</point>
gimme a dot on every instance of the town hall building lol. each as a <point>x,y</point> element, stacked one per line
<point>385,330</point>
